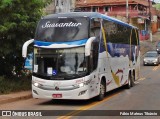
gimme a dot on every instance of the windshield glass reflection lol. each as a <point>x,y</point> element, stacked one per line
<point>61,62</point>
<point>151,55</point>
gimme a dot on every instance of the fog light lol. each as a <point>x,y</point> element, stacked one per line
<point>35,92</point>
<point>82,92</point>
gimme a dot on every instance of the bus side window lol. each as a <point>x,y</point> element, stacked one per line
<point>95,28</point>
<point>94,55</point>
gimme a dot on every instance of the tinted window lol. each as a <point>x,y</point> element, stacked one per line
<point>65,63</point>
<point>95,28</point>
<point>62,29</point>
<point>94,55</point>
<point>95,48</point>
<point>134,37</point>
<point>116,33</point>
<point>151,54</point>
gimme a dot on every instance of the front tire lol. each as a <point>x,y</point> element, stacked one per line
<point>102,91</point>
<point>129,85</point>
<point>133,80</point>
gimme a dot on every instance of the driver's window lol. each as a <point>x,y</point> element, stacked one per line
<point>95,27</point>
<point>94,55</point>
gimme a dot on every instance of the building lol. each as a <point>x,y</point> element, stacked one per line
<point>135,12</point>
<point>50,9</point>
<point>60,6</point>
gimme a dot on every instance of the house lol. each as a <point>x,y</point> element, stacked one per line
<point>60,6</point>
<point>50,9</point>
<point>135,12</point>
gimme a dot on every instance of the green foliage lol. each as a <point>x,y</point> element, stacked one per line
<point>18,20</point>
<point>157,6</point>
<point>5,3</point>
<point>14,85</point>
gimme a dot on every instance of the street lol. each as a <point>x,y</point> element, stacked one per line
<point>143,96</point>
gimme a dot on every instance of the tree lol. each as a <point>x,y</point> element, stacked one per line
<point>18,20</point>
<point>157,6</point>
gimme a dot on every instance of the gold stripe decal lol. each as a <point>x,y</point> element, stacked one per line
<point>115,77</point>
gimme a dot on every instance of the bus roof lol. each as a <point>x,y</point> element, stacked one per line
<point>86,14</point>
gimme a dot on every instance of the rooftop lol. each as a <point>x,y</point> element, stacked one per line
<point>83,3</point>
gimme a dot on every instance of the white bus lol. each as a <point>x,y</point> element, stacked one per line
<point>82,55</point>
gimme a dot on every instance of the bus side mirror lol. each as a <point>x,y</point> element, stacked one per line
<point>25,46</point>
<point>88,46</point>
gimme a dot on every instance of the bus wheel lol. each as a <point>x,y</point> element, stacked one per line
<point>102,91</point>
<point>132,80</point>
<point>129,85</point>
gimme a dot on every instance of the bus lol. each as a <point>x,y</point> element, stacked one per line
<point>81,55</point>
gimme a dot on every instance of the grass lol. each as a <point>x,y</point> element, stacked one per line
<point>14,85</point>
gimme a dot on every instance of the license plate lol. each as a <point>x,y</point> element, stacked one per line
<point>57,95</point>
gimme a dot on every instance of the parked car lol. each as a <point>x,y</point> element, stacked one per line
<point>158,47</point>
<point>151,58</point>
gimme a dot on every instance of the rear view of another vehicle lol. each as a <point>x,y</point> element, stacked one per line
<point>158,47</point>
<point>151,58</point>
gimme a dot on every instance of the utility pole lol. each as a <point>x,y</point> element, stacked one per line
<point>150,21</point>
<point>63,5</point>
<point>127,16</point>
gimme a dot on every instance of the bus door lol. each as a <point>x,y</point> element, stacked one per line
<point>94,63</point>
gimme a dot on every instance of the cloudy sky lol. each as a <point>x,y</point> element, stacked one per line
<point>157,1</point>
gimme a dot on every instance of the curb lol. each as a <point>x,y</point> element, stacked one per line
<point>9,99</point>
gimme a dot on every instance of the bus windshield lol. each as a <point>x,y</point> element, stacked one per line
<point>62,29</point>
<point>60,63</point>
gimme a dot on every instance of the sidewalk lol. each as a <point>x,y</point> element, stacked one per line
<point>145,46</point>
<point>15,97</point>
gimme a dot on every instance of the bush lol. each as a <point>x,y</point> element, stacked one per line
<point>14,85</point>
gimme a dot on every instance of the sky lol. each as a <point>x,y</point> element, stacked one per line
<point>157,1</point>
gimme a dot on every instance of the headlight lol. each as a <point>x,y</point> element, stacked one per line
<point>82,84</point>
<point>156,60</point>
<point>144,60</point>
<point>36,84</point>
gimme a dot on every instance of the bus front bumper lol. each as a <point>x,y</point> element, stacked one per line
<point>81,93</point>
